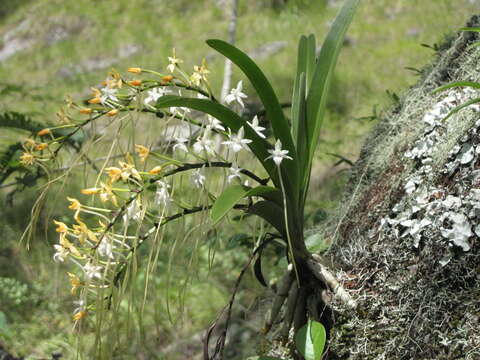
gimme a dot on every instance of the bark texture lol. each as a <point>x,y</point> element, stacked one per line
<point>407,238</point>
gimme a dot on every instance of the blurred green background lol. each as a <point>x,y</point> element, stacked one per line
<point>53,48</point>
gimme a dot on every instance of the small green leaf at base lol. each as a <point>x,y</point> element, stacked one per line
<point>310,340</point>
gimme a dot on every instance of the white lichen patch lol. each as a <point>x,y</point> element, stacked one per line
<point>449,212</point>
<point>416,277</point>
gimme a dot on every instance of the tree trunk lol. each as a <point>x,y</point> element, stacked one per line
<point>407,242</point>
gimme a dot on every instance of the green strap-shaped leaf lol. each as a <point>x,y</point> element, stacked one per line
<point>296,100</point>
<point>233,194</point>
<point>274,111</point>
<point>271,213</point>
<point>301,124</point>
<point>311,60</point>
<point>319,88</point>
<point>470,84</point>
<point>310,340</point>
<point>230,119</point>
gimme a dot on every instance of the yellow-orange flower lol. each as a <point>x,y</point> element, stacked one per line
<point>44,132</point>
<point>74,203</point>
<point>135,70</point>
<point>41,146</point>
<point>69,246</point>
<point>75,282</point>
<point>196,78</point>
<point>114,173</point>
<point>83,232</point>
<point>173,62</point>
<point>107,194</point>
<point>61,227</point>
<point>142,151</point>
<point>112,112</point>
<point>128,170</point>
<point>27,159</point>
<point>156,170</point>
<point>115,80</point>
<point>80,315</point>
<point>29,143</point>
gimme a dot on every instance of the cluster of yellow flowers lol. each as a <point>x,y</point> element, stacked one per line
<point>98,250</point>
<point>33,151</point>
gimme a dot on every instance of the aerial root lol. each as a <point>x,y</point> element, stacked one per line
<point>321,272</point>
<point>283,290</point>
<point>290,311</point>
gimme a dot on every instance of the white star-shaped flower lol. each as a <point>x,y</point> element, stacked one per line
<point>214,124</point>
<point>155,94</point>
<point>108,94</point>
<point>180,144</point>
<point>181,111</point>
<point>80,306</point>
<point>105,248</point>
<point>254,126</point>
<point>277,154</point>
<point>60,254</point>
<point>204,143</point>
<point>132,213</point>
<point>235,172</point>
<point>162,196</point>
<point>198,179</point>
<point>236,94</point>
<point>237,141</point>
<point>92,271</point>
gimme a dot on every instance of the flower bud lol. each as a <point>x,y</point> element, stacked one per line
<point>44,132</point>
<point>112,112</point>
<point>135,82</point>
<point>135,70</point>
<point>90,191</point>
<point>156,170</point>
<point>167,78</point>
<point>86,111</point>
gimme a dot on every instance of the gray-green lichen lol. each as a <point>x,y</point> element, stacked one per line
<point>408,237</point>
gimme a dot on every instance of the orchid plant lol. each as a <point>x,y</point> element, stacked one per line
<point>139,195</point>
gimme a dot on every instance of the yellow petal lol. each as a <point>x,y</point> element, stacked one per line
<point>74,203</point>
